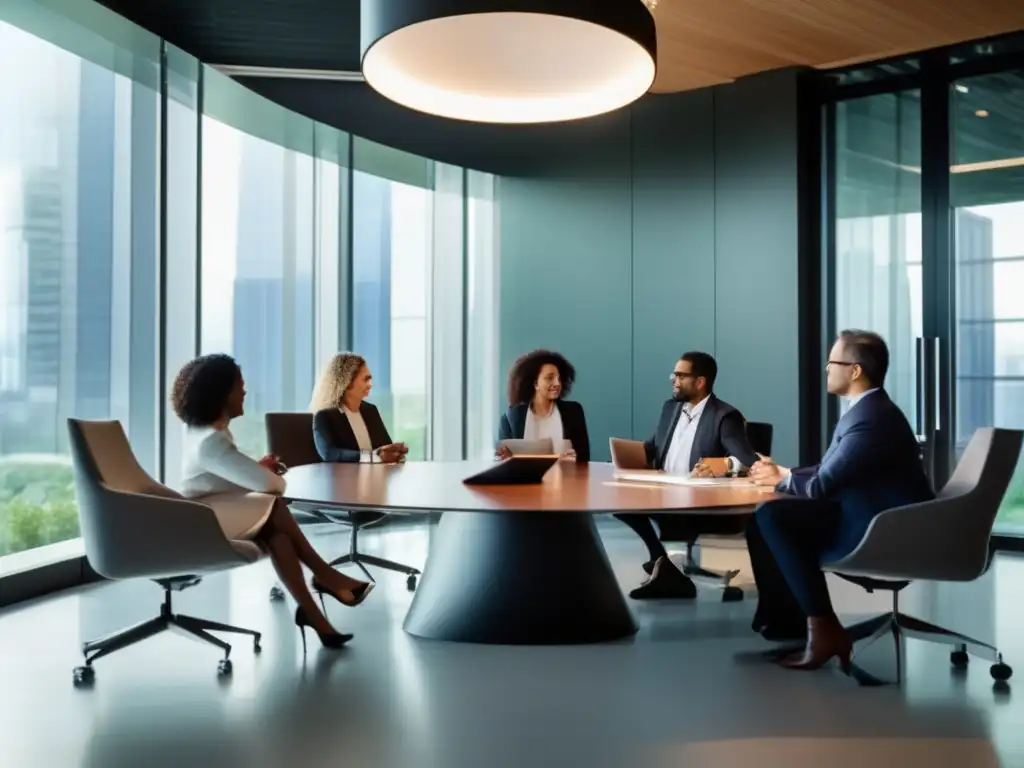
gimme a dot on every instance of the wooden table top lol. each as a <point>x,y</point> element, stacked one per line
<point>422,486</point>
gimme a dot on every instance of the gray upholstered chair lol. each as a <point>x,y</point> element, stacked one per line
<point>942,540</point>
<point>134,527</point>
<point>290,438</point>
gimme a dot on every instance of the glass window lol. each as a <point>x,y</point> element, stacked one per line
<point>182,253</point>
<point>392,236</point>
<point>256,285</point>
<point>878,229</point>
<point>987,194</point>
<point>78,270</point>
<point>482,382</point>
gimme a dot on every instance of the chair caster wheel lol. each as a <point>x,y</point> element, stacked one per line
<point>256,647</point>
<point>1001,672</point>
<point>276,594</point>
<point>732,595</point>
<point>84,676</point>
<point>410,583</point>
<point>959,659</point>
<point>224,667</point>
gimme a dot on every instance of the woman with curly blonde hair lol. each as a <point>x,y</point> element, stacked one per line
<point>345,426</point>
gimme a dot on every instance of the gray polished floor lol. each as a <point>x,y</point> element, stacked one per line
<point>684,692</point>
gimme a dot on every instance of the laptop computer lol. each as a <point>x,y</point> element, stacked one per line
<point>518,470</point>
<point>628,454</point>
<point>517,447</point>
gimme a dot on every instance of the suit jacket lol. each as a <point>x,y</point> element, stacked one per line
<point>872,464</point>
<point>721,432</point>
<point>574,426</point>
<point>334,438</point>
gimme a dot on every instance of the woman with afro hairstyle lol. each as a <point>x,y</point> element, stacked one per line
<point>537,384</point>
<point>244,493</point>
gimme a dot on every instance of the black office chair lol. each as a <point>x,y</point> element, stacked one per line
<point>684,528</point>
<point>290,438</point>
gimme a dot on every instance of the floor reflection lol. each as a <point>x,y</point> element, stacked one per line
<point>687,690</point>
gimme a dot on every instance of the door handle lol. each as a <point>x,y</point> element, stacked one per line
<point>936,368</point>
<point>919,350</point>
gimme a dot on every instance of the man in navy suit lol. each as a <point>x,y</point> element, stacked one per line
<point>873,464</point>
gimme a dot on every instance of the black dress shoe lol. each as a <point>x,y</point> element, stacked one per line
<point>666,582</point>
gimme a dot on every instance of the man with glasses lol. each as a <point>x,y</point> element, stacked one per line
<point>697,434</point>
<point>872,464</point>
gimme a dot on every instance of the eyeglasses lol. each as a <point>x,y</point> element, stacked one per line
<point>678,375</point>
<point>843,363</point>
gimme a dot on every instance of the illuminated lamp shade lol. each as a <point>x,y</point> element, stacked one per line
<point>511,61</point>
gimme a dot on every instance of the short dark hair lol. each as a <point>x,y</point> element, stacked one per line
<point>525,370</point>
<point>702,364</point>
<point>202,388</point>
<point>869,351</point>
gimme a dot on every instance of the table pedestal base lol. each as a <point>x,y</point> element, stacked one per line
<point>520,578</point>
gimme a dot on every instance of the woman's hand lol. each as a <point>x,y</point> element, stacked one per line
<point>392,454</point>
<point>502,452</point>
<point>273,463</point>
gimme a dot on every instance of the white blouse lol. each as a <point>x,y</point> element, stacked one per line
<point>544,427</point>
<point>358,424</point>
<point>213,464</point>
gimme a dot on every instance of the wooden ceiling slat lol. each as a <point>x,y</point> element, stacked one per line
<point>728,39</point>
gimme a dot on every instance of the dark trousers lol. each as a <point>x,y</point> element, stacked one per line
<point>680,528</point>
<point>787,539</point>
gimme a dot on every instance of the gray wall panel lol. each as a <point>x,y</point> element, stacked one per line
<point>673,243</point>
<point>756,253</point>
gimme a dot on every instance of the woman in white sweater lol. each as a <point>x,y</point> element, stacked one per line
<point>244,494</point>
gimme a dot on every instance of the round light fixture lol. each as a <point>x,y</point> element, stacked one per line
<point>509,61</point>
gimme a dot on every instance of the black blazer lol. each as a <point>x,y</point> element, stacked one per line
<point>334,438</point>
<point>574,426</point>
<point>721,432</point>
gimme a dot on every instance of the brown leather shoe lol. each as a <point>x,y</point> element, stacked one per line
<point>826,638</point>
<point>666,582</point>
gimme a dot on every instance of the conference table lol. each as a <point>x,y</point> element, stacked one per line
<point>514,564</point>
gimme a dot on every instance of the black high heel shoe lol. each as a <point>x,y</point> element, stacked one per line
<point>333,640</point>
<point>359,594</point>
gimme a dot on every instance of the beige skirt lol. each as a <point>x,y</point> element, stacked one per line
<point>241,515</point>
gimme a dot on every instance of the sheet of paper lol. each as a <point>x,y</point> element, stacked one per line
<point>670,479</point>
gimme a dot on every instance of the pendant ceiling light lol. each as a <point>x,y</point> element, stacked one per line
<point>509,61</point>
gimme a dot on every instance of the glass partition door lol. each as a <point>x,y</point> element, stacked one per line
<point>987,198</point>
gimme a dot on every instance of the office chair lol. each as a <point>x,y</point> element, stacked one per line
<point>760,435</point>
<point>290,438</point>
<point>942,540</point>
<point>134,527</point>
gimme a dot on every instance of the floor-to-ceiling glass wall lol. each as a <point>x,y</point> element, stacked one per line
<point>878,229</point>
<point>392,239</point>
<point>256,283</point>
<point>987,197</point>
<point>152,209</point>
<point>926,184</point>
<point>78,260</point>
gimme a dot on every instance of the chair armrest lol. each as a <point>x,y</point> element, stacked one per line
<point>941,540</point>
<point>131,535</point>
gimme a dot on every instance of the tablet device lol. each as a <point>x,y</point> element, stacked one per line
<point>519,470</point>
<point>543,447</point>
<point>628,454</point>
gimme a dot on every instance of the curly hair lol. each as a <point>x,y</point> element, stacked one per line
<point>522,378</point>
<point>334,382</point>
<point>202,387</point>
